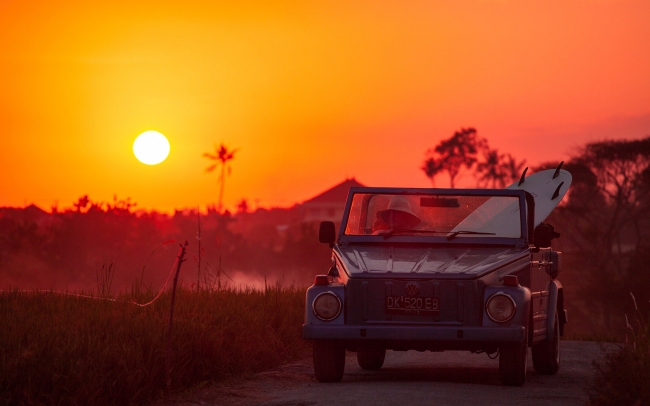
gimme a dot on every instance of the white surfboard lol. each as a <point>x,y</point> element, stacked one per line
<point>547,187</point>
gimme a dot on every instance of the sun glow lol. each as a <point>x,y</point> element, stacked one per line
<point>151,147</point>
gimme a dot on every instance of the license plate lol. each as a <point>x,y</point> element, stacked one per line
<point>422,306</point>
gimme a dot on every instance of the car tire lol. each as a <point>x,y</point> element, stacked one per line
<point>512,364</point>
<point>371,358</point>
<point>546,354</point>
<point>329,361</point>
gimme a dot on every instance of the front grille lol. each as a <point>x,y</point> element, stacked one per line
<point>460,302</point>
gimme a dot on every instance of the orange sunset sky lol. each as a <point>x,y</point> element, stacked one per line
<point>310,93</point>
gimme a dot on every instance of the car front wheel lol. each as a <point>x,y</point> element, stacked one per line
<point>546,354</point>
<point>371,358</point>
<point>512,364</point>
<point>329,361</point>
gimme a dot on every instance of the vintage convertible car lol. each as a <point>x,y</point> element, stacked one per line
<point>442,269</point>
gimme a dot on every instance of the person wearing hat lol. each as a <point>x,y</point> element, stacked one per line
<point>398,216</point>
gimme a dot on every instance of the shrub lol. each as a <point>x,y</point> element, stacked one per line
<point>623,378</point>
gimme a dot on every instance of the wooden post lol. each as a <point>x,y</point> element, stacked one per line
<point>198,277</point>
<point>168,365</point>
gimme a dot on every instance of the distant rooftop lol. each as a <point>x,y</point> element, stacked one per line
<point>336,194</point>
<point>31,213</point>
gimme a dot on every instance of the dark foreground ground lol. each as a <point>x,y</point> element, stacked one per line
<point>411,378</point>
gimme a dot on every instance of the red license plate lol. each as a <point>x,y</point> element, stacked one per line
<point>422,306</point>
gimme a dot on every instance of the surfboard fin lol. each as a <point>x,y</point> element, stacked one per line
<point>557,171</point>
<point>523,176</point>
<point>557,191</point>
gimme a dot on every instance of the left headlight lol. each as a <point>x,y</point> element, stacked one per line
<point>500,307</point>
<point>327,306</point>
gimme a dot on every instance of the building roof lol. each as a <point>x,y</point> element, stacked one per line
<point>31,213</point>
<point>337,194</point>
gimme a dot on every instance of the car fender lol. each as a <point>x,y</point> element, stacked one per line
<point>520,295</point>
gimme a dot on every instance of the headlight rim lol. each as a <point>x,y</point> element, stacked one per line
<point>514,307</point>
<point>313,305</point>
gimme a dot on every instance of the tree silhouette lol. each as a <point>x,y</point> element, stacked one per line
<point>222,155</point>
<point>242,206</point>
<point>431,168</point>
<point>606,222</point>
<point>452,154</point>
<point>513,168</point>
<point>491,170</point>
<point>82,203</point>
<point>497,170</point>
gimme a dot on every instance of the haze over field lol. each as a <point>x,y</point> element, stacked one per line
<point>309,93</point>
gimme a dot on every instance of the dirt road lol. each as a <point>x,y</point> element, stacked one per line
<point>413,378</point>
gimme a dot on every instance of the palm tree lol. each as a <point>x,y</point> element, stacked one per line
<point>498,169</point>
<point>491,170</point>
<point>513,168</point>
<point>222,155</point>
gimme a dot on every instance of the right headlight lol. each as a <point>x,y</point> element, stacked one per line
<point>327,306</point>
<point>500,307</point>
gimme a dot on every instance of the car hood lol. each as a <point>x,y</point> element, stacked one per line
<point>362,260</point>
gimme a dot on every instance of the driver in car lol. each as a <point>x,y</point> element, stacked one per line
<point>398,216</point>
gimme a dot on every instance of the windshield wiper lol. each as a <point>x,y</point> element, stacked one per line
<point>455,233</point>
<point>393,231</point>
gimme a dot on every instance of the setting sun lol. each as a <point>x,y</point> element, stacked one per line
<point>151,147</point>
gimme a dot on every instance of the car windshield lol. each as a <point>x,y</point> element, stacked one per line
<point>453,216</point>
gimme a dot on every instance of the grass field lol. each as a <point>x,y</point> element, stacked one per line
<point>65,350</point>
<point>622,379</point>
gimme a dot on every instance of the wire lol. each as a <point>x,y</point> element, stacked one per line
<point>161,290</point>
<point>496,354</point>
<point>102,298</point>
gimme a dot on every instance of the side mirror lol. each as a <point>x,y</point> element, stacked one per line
<point>327,232</point>
<point>543,235</point>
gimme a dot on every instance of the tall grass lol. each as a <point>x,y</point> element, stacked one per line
<point>624,377</point>
<point>66,350</point>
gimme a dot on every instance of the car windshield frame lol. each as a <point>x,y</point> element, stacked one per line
<point>526,205</point>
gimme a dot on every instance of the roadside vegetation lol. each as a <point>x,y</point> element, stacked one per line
<point>60,349</point>
<point>622,379</point>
